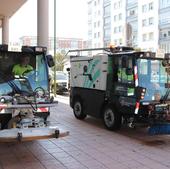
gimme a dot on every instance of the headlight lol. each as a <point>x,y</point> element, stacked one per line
<point>2,100</point>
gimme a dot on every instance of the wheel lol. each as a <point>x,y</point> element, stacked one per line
<point>111,118</point>
<point>78,109</point>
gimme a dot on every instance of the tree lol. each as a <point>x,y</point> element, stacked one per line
<point>60,61</point>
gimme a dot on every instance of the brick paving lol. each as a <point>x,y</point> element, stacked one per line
<point>89,146</point>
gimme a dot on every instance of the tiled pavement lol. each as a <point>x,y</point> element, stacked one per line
<point>89,145</point>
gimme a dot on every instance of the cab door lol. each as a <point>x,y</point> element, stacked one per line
<point>124,83</point>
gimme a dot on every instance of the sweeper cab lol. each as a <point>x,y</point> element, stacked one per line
<point>121,86</point>
<point>25,99</point>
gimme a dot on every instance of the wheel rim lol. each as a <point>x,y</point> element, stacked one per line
<point>77,108</point>
<point>109,118</point>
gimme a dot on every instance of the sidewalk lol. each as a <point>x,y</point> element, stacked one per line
<point>89,146</point>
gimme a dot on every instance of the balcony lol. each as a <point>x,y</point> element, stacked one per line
<point>132,4</point>
<point>164,23</point>
<point>163,38</point>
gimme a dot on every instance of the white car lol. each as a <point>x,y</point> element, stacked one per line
<point>61,82</point>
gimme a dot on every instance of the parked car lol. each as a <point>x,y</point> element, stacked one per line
<point>61,82</point>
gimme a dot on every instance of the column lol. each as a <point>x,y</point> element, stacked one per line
<point>42,22</point>
<point>5,30</point>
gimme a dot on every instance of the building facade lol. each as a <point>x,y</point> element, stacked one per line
<point>142,24</point>
<point>95,23</point>
<point>61,43</point>
<point>118,22</point>
<point>148,22</point>
<point>132,23</point>
<point>106,22</point>
<point>164,25</point>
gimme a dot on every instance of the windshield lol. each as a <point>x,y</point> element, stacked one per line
<point>152,76</point>
<point>17,85</point>
<point>38,76</point>
<point>25,78</point>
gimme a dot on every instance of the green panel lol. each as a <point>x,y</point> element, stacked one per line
<point>94,77</point>
<point>90,68</point>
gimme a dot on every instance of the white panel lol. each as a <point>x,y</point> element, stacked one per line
<point>96,68</point>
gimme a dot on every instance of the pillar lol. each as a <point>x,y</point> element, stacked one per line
<point>42,22</point>
<point>5,30</point>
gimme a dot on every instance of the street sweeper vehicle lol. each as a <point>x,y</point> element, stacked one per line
<point>25,99</point>
<point>121,86</point>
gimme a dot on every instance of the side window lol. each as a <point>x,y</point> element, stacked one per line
<point>125,70</point>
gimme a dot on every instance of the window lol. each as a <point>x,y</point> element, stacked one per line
<point>120,28</point>
<point>115,29</point>
<point>115,5</point>
<point>94,35</point>
<point>107,10</point>
<point>106,21</point>
<point>120,41</point>
<point>107,33</point>
<point>151,21</point>
<point>144,8</point>
<point>151,36</point>
<point>168,33</point>
<point>95,3</point>
<point>98,12</point>
<point>151,6</point>
<point>94,24</point>
<point>122,75</point>
<point>98,34</point>
<point>144,23</point>
<point>120,16</point>
<point>115,18</point>
<point>131,12</point>
<point>144,37</point>
<point>98,23</point>
<point>120,4</point>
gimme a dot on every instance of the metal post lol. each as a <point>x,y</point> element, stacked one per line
<point>55,48</point>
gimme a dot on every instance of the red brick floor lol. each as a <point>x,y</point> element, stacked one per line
<point>89,145</point>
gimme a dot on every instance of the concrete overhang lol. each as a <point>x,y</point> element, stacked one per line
<point>9,7</point>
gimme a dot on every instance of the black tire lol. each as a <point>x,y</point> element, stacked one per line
<point>78,109</point>
<point>112,119</point>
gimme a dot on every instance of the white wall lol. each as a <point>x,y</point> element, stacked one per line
<point>115,12</point>
<point>148,44</point>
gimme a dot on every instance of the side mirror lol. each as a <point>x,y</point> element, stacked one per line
<point>129,71</point>
<point>68,69</point>
<point>50,60</point>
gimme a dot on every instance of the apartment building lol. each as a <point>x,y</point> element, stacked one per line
<point>164,25</point>
<point>143,24</point>
<point>132,23</point>
<point>106,22</point>
<point>148,22</point>
<point>95,23</point>
<point>118,22</point>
